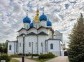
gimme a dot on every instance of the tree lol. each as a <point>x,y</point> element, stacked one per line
<point>3,47</point>
<point>76,45</point>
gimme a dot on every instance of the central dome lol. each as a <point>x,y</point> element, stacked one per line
<point>26,20</point>
<point>43,17</point>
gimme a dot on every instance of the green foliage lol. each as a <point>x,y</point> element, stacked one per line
<point>3,47</point>
<point>34,54</point>
<point>15,55</point>
<point>76,45</point>
<point>29,54</point>
<point>5,57</point>
<point>46,56</point>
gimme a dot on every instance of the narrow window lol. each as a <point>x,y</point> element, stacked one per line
<point>20,44</point>
<point>41,44</point>
<point>29,44</point>
<point>9,47</point>
<point>51,46</point>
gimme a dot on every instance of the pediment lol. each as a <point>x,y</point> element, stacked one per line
<point>42,33</point>
<point>22,29</point>
<point>32,33</point>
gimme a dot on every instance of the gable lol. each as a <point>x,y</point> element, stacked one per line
<point>32,30</point>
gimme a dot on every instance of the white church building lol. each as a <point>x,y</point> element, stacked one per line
<point>37,37</point>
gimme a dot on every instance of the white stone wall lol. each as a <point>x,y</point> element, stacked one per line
<point>42,47</point>
<point>56,47</point>
<point>58,35</point>
<point>43,30</point>
<point>36,25</point>
<point>26,25</point>
<point>20,45</point>
<point>43,23</point>
<point>41,39</point>
<point>32,30</point>
<point>22,32</point>
<point>13,48</point>
<point>50,33</point>
<point>28,49</point>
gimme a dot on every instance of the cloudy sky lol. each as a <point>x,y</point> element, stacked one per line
<point>62,13</point>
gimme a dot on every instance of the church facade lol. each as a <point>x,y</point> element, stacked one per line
<point>37,37</point>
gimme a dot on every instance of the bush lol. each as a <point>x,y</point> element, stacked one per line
<point>15,55</point>
<point>35,54</point>
<point>46,56</point>
<point>5,57</point>
<point>32,54</point>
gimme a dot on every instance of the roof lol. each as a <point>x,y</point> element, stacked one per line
<point>31,28</point>
<point>11,41</point>
<point>42,33</point>
<point>56,32</point>
<point>53,39</point>
<point>21,29</point>
<point>44,27</point>
<point>49,23</point>
<point>32,33</point>
<point>22,34</point>
<point>26,20</point>
<point>43,17</point>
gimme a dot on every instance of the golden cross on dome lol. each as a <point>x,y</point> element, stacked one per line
<point>36,18</point>
<point>43,9</point>
<point>27,12</point>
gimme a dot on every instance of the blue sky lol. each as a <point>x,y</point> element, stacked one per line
<point>62,13</point>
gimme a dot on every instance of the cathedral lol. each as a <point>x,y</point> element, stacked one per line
<point>37,37</point>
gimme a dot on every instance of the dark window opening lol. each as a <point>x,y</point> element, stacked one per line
<point>10,47</point>
<point>20,44</point>
<point>29,44</point>
<point>51,46</point>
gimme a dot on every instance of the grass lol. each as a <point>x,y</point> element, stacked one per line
<point>14,60</point>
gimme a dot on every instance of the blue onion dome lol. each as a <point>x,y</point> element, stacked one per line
<point>31,25</point>
<point>49,23</point>
<point>26,20</point>
<point>43,17</point>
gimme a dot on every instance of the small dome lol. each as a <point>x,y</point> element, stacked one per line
<point>43,17</point>
<point>31,25</point>
<point>49,23</point>
<point>26,20</point>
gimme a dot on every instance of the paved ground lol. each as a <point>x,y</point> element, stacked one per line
<point>26,60</point>
<point>59,59</point>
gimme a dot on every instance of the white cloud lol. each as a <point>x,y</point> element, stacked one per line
<point>62,12</point>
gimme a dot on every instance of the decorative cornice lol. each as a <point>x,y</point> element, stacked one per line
<point>31,28</point>
<point>53,39</point>
<point>42,33</point>
<point>21,29</point>
<point>32,33</point>
<point>11,41</point>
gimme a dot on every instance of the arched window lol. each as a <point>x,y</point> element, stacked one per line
<point>29,44</point>
<point>41,44</point>
<point>20,44</point>
<point>10,47</point>
<point>51,46</point>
